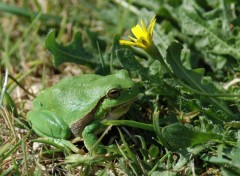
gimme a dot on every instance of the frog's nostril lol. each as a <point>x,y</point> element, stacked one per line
<point>130,88</point>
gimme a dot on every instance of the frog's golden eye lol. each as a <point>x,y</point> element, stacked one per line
<point>114,93</point>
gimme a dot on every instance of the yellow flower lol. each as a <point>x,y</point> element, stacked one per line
<point>143,36</point>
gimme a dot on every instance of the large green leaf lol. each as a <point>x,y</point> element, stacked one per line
<point>192,24</point>
<point>181,136</point>
<point>73,52</point>
<point>193,78</point>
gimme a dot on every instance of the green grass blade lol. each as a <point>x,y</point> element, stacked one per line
<point>20,11</point>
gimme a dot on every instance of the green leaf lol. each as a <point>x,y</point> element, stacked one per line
<point>229,161</point>
<point>194,80</point>
<point>153,151</point>
<point>181,136</point>
<point>129,62</point>
<point>73,52</point>
<point>193,24</point>
<point>235,157</point>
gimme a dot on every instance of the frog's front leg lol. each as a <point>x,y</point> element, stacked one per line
<point>89,135</point>
<point>47,124</point>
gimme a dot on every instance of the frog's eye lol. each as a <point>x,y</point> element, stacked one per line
<point>114,93</point>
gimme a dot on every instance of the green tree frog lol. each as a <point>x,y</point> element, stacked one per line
<point>76,105</point>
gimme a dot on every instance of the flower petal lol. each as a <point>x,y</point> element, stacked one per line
<point>132,39</point>
<point>125,42</point>
<point>142,36</point>
<point>143,26</point>
<point>151,25</point>
<point>137,31</point>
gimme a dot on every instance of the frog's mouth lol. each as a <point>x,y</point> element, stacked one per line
<point>119,110</point>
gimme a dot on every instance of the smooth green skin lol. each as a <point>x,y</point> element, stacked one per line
<point>75,106</point>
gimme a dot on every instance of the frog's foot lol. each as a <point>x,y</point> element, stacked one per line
<point>64,143</point>
<point>93,145</point>
<point>91,141</point>
<point>59,143</point>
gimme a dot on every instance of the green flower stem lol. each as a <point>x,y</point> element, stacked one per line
<point>156,55</point>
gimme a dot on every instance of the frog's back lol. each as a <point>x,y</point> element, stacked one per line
<point>71,98</point>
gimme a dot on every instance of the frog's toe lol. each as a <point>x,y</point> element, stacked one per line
<point>98,149</point>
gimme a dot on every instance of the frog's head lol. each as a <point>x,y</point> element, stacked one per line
<point>120,93</point>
